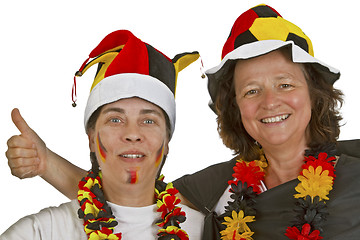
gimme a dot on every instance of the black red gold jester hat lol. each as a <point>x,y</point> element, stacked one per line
<point>128,67</point>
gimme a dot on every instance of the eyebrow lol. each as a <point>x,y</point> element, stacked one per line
<point>142,112</point>
<point>119,110</point>
<point>150,111</point>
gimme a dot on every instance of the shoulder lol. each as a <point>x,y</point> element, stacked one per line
<point>208,174</point>
<point>64,213</point>
<point>47,223</point>
<point>349,147</point>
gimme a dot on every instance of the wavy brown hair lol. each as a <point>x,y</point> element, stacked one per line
<point>324,125</point>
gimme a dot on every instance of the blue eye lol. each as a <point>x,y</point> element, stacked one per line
<point>149,121</point>
<point>115,120</point>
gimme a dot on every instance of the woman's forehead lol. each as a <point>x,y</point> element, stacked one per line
<point>275,62</point>
<point>132,104</point>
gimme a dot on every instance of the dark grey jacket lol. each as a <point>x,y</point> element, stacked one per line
<point>275,207</point>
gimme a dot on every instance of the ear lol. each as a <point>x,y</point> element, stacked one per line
<point>91,137</point>
<point>166,148</point>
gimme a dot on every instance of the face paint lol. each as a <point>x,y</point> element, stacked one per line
<point>101,149</point>
<point>133,176</point>
<point>160,155</point>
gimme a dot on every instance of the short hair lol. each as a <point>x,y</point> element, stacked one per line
<point>324,124</point>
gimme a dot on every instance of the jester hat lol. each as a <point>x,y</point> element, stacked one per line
<point>259,31</point>
<point>129,67</point>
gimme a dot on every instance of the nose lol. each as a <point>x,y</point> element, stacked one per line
<point>270,99</point>
<point>132,133</point>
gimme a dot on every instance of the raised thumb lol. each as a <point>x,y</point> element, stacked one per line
<point>19,122</point>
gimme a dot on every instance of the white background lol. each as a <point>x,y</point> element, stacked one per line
<point>43,43</point>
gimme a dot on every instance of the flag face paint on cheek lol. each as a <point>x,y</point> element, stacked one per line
<point>101,149</point>
<point>160,155</point>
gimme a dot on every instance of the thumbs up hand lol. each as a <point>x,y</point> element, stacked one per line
<point>27,152</point>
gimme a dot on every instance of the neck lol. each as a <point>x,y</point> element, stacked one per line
<point>284,164</point>
<point>129,195</point>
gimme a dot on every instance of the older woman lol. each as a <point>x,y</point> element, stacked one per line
<point>276,104</point>
<point>129,120</point>
<point>277,109</point>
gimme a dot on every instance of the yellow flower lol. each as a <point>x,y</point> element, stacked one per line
<point>91,208</point>
<point>100,236</point>
<point>91,182</point>
<point>262,163</point>
<point>237,227</point>
<point>84,194</point>
<point>314,182</point>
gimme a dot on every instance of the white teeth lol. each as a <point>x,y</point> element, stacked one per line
<point>275,119</point>
<point>132,155</point>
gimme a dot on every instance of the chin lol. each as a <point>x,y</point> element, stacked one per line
<point>275,140</point>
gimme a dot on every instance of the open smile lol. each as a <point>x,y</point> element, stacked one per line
<point>275,119</point>
<point>132,155</point>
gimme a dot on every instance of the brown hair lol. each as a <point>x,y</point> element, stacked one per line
<point>324,126</point>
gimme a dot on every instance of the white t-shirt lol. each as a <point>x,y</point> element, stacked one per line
<point>63,223</point>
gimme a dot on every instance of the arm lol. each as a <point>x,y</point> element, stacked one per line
<point>28,156</point>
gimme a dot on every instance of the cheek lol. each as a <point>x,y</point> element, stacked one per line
<point>101,150</point>
<point>247,111</point>
<point>301,103</point>
<point>160,155</point>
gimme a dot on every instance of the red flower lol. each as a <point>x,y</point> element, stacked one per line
<point>173,231</point>
<point>294,233</point>
<point>168,204</point>
<point>249,173</point>
<point>176,212</point>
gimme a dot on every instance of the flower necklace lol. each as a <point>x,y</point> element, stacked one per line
<point>99,222</point>
<point>316,181</point>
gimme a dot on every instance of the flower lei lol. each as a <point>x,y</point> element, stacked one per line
<point>99,222</point>
<point>316,181</point>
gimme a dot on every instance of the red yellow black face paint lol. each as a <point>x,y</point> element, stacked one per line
<point>133,176</point>
<point>160,155</point>
<point>101,149</point>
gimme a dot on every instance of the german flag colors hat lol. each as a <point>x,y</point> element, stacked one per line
<point>128,67</point>
<point>259,31</point>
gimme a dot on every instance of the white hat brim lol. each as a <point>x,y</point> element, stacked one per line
<point>259,48</point>
<point>127,85</point>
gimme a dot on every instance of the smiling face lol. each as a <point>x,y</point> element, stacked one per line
<point>273,98</point>
<point>129,140</point>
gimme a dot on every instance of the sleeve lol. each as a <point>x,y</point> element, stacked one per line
<point>49,223</point>
<point>26,228</point>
